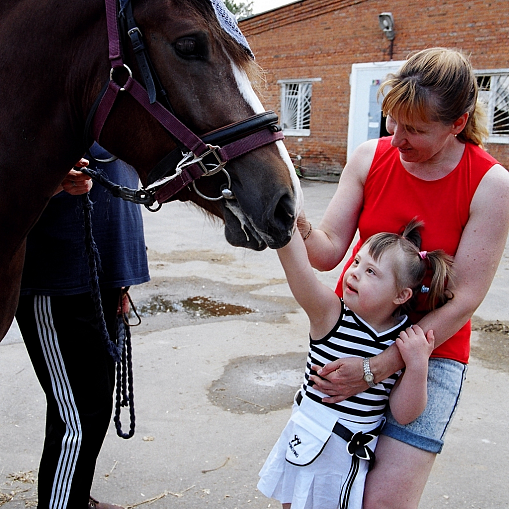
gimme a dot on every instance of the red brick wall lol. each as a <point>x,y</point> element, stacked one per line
<point>323,38</point>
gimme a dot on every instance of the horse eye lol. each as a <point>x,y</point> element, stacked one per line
<point>186,46</point>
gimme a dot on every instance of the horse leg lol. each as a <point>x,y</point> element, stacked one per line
<point>10,280</point>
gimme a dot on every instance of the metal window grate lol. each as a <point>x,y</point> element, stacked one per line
<point>494,93</point>
<point>296,106</point>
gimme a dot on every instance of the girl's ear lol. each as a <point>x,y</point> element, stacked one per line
<point>403,296</point>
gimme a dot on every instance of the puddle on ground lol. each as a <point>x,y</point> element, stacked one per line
<point>492,345</point>
<point>196,306</point>
<point>190,255</point>
<point>259,384</point>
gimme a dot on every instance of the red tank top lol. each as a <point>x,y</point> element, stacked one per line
<point>392,197</point>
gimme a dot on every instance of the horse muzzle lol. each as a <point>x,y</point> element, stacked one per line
<point>272,228</point>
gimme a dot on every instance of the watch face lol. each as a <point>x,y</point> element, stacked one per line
<point>368,377</point>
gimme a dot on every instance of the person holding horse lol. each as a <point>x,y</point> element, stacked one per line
<point>57,318</point>
<point>323,455</point>
<point>432,167</point>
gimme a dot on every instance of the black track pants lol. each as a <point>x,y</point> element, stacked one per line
<point>77,376</point>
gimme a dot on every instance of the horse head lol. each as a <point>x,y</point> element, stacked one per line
<point>207,76</point>
<point>56,57</point>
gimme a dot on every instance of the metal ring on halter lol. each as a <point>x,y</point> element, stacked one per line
<point>226,192</point>
<point>112,70</point>
<point>155,209</point>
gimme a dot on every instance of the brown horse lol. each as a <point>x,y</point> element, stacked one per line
<point>53,65</point>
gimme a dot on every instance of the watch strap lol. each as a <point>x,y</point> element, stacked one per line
<point>369,378</point>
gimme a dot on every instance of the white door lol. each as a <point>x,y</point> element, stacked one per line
<point>365,116</point>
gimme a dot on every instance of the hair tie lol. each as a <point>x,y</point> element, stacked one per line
<point>308,233</point>
<point>423,254</point>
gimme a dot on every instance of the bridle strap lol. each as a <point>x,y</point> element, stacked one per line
<point>103,109</point>
<point>165,190</point>
<point>113,35</point>
<point>169,121</point>
<point>140,53</point>
<point>225,135</point>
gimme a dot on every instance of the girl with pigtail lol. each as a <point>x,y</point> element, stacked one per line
<point>435,263</point>
<point>325,451</point>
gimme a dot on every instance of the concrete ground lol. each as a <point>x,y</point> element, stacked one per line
<point>217,359</point>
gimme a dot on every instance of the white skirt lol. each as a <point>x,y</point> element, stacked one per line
<point>319,484</point>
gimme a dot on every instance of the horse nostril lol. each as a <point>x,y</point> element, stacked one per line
<point>284,213</point>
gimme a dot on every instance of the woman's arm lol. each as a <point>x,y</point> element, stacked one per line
<point>328,243</point>
<point>475,264</point>
<point>477,257</point>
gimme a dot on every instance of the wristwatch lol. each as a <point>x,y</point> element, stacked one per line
<point>369,378</point>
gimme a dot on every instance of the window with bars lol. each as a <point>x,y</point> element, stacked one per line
<point>494,93</point>
<point>296,107</point>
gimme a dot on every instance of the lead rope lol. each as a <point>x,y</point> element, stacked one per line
<point>125,390</point>
<point>121,352</point>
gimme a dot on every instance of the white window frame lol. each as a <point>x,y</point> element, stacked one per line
<point>489,98</point>
<point>304,96</point>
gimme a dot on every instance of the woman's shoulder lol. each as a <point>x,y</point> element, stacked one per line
<point>370,151</point>
<point>359,163</point>
<point>490,173</point>
<point>479,156</point>
<point>367,149</point>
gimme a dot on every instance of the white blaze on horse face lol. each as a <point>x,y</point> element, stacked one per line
<point>251,98</point>
<point>246,89</point>
<point>299,197</point>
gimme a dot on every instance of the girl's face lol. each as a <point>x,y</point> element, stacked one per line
<point>369,286</point>
<point>420,142</point>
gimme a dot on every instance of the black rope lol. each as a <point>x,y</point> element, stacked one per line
<point>139,196</point>
<point>125,390</point>
<point>93,264</point>
<point>121,352</point>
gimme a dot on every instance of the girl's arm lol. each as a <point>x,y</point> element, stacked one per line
<point>475,264</point>
<point>320,303</point>
<point>409,397</point>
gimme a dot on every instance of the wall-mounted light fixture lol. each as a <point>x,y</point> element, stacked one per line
<point>386,22</point>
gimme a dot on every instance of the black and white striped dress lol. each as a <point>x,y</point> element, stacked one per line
<point>353,337</point>
<point>320,484</point>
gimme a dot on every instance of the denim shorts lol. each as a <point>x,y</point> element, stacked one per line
<point>445,381</point>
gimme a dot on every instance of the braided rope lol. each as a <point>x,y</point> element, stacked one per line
<point>93,264</point>
<point>121,353</point>
<point>124,391</point>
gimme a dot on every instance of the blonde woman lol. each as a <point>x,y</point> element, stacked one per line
<point>432,167</point>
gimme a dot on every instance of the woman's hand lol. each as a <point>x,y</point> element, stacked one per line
<point>345,377</point>
<point>340,379</point>
<point>76,182</point>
